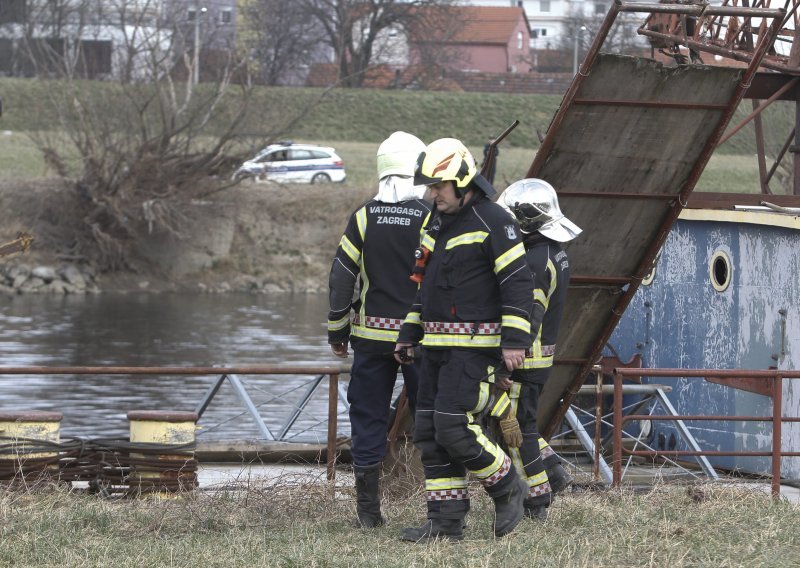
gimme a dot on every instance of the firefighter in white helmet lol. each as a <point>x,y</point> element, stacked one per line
<point>376,251</point>
<point>470,316</point>
<point>534,204</point>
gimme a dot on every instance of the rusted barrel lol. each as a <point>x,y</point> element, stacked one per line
<point>162,452</point>
<point>29,444</point>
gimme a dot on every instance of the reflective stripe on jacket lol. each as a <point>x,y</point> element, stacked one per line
<point>476,274</point>
<point>549,266</point>
<point>377,251</point>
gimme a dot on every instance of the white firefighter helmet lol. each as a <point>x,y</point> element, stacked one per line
<point>397,155</point>
<point>447,159</point>
<point>534,203</point>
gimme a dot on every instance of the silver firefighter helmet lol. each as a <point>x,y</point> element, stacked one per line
<point>534,203</point>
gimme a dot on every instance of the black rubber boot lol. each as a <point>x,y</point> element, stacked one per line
<point>508,508</point>
<point>446,529</point>
<point>445,521</point>
<point>535,510</point>
<point>368,502</point>
<point>559,478</point>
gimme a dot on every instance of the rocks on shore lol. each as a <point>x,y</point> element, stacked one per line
<point>19,278</point>
<point>256,285</point>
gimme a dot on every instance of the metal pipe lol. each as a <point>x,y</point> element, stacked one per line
<point>758,110</point>
<point>598,421</point>
<point>777,426</point>
<point>617,456</point>
<point>617,195</point>
<point>195,371</point>
<point>701,373</point>
<point>780,156</point>
<point>760,152</point>
<point>603,280</point>
<point>699,10</point>
<point>649,104</point>
<point>333,399</point>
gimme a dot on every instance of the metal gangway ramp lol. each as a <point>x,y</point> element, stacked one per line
<point>624,151</point>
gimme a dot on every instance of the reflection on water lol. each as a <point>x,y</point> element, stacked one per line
<point>164,330</point>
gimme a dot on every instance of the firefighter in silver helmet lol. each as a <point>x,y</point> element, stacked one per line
<point>534,204</point>
<point>470,316</point>
<point>376,251</point>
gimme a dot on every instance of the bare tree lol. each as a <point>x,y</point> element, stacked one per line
<point>580,30</point>
<point>280,38</point>
<point>147,140</point>
<point>353,29</point>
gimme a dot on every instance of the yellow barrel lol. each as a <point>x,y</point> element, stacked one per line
<point>162,451</point>
<point>24,441</point>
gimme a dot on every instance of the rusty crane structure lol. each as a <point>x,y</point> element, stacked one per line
<point>630,141</point>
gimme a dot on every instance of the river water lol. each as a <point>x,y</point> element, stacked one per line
<point>166,330</point>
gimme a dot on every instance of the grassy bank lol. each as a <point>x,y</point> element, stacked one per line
<point>20,160</point>
<point>340,115</point>
<point>301,525</point>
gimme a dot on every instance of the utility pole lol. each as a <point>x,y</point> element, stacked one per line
<point>198,12</point>
<point>578,34</point>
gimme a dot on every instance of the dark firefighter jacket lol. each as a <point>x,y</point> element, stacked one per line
<point>476,291</point>
<point>549,266</point>
<point>377,249</point>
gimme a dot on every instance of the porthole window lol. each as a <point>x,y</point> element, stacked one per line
<point>720,270</point>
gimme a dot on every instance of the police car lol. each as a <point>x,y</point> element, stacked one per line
<point>286,162</point>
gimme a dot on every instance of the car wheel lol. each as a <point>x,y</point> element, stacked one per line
<point>321,178</point>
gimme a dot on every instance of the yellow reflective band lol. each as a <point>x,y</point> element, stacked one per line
<point>422,234</point>
<point>444,483</point>
<point>456,340</point>
<point>376,334</point>
<point>517,322</point>
<point>538,296</point>
<point>334,325</point>
<point>500,407</point>
<point>466,239</point>
<point>513,392</point>
<point>361,220</point>
<point>516,459</point>
<point>538,362</point>
<point>492,449</point>
<point>483,398</point>
<point>508,257</point>
<point>553,278</point>
<point>350,249</point>
<point>536,480</point>
<point>543,444</point>
<point>413,317</point>
<point>428,242</point>
<point>363,293</point>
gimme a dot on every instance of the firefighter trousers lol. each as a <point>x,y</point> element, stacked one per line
<point>372,380</point>
<point>452,440</point>
<point>528,459</point>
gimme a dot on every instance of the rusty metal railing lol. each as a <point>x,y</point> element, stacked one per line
<point>772,382</point>
<point>222,373</point>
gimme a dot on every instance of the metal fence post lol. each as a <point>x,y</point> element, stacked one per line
<point>617,457</point>
<point>777,416</point>
<point>333,400</point>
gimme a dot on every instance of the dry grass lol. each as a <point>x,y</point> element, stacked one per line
<point>299,523</point>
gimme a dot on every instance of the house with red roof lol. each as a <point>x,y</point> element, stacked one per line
<point>485,39</point>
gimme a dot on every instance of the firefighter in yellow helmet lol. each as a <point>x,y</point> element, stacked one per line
<point>375,253</point>
<point>470,316</point>
<point>534,204</point>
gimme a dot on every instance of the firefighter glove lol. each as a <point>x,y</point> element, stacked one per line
<point>509,427</point>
